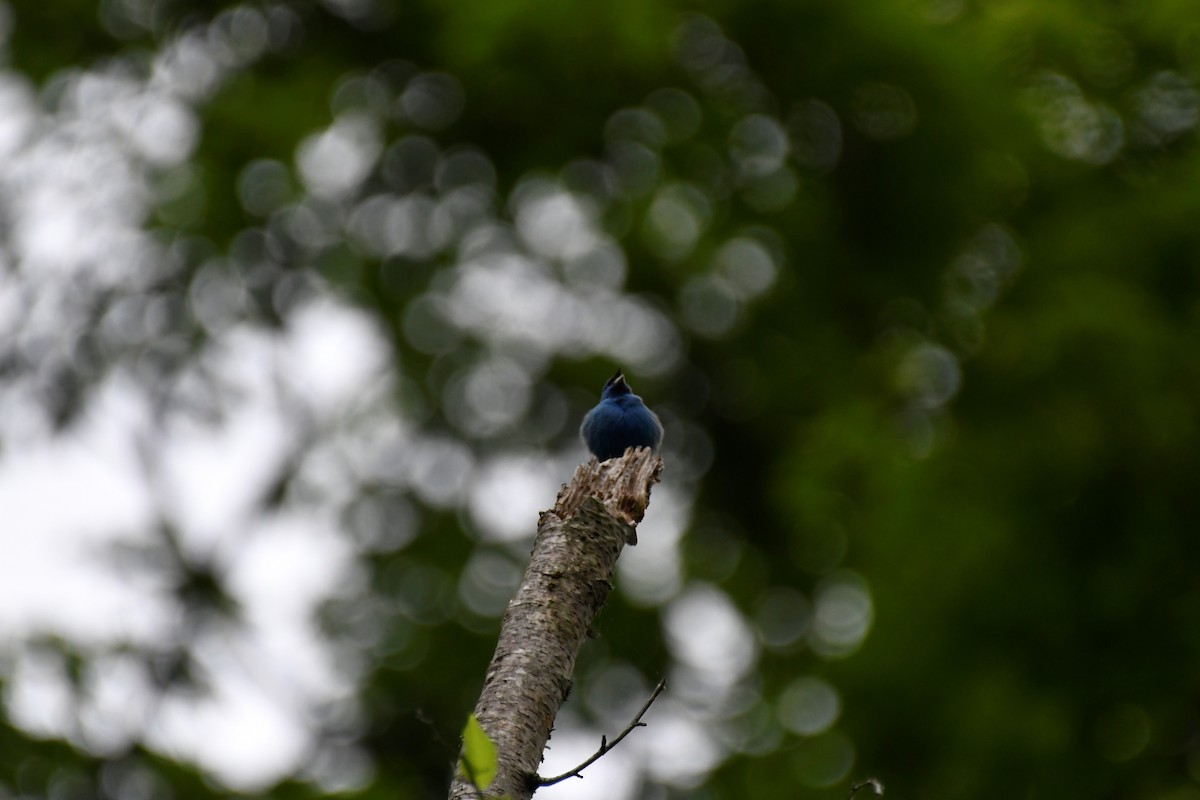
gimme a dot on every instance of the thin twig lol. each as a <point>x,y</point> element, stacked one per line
<point>606,745</point>
<point>874,783</point>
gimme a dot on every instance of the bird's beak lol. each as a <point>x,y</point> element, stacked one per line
<point>617,378</point>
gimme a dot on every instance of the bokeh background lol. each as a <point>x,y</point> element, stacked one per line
<point>301,304</point>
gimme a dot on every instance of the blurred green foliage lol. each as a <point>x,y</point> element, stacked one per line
<point>972,386</point>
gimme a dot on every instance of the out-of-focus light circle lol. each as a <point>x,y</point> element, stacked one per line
<point>636,124</point>
<point>553,222</point>
<point>432,100</point>
<point>783,616</point>
<point>816,135</point>
<point>965,325</point>
<point>264,186</point>
<point>699,42</point>
<point>747,265</point>
<point>507,494</point>
<point>726,646</point>
<point>975,278</point>
<point>758,145</point>
<point>425,326</point>
<point>708,306</point>
<point>132,780</point>
<point>216,297</point>
<point>637,166</point>
<point>38,693</point>
<point>883,111</point>
<point>616,693</point>
<point>756,732</point>
<point>679,112</point>
<point>1070,124</point>
<point>824,760</point>
<point>284,28</point>
<point>602,267</point>
<point>652,573</point>
<point>809,706</point>
<point>442,470</point>
<point>498,392</point>
<point>336,355</point>
<point>592,178</point>
<point>243,29</point>
<point>361,93</point>
<point>382,524</point>
<point>488,397</point>
<point>339,768</point>
<point>680,750</point>
<point>164,129</point>
<point>929,374</point>
<point>639,336</point>
<point>382,225</point>
<point>334,163</point>
<point>311,223</point>
<point>842,615</point>
<point>410,163</point>
<point>771,192</point>
<point>677,216</point>
<point>464,167</point>
<point>424,593</point>
<point>1169,104</point>
<point>180,196</point>
<point>488,582</point>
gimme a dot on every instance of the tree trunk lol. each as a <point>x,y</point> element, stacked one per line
<point>564,587</point>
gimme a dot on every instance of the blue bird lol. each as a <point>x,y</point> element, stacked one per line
<point>619,421</point>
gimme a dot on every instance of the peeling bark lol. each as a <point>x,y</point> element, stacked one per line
<point>563,589</point>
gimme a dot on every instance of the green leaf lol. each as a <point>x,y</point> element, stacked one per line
<point>478,760</point>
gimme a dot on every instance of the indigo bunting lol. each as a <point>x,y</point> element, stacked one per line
<point>621,420</point>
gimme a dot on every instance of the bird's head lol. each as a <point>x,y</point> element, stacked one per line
<point>616,386</point>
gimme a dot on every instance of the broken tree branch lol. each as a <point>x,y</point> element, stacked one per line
<point>564,587</point>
